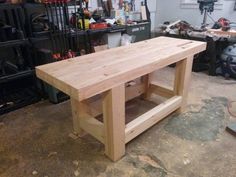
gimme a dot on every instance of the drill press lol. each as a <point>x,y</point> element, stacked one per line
<point>206,6</point>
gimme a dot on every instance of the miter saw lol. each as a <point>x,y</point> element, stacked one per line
<point>206,6</point>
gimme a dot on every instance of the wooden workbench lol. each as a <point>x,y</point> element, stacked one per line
<point>105,74</point>
<point>221,33</point>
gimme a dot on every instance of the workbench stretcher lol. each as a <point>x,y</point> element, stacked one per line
<point>104,75</point>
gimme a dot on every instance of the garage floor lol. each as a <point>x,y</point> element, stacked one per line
<point>34,141</point>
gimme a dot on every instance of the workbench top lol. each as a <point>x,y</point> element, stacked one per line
<point>86,76</point>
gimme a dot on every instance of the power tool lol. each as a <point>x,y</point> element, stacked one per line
<point>206,6</point>
<point>228,62</point>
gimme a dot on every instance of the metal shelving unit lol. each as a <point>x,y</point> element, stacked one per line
<point>17,75</point>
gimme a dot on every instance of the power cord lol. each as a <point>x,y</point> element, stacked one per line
<point>229,106</point>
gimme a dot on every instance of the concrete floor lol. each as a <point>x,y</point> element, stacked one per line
<point>34,140</point>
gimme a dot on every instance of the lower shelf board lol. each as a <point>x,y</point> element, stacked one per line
<point>140,116</point>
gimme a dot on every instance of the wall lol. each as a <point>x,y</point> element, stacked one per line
<point>171,10</point>
<point>152,6</point>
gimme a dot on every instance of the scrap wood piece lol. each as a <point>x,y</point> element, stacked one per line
<point>223,33</point>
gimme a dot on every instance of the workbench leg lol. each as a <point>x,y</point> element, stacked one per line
<point>78,109</point>
<point>114,122</point>
<point>182,80</point>
<point>146,81</point>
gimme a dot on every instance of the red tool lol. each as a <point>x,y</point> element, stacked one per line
<point>102,25</point>
<point>69,54</point>
<point>224,23</point>
<point>56,56</point>
<point>121,4</point>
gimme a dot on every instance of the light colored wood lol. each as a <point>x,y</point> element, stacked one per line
<point>114,122</point>
<point>84,123</point>
<point>93,127</point>
<point>182,80</point>
<point>145,121</point>
<point>146,81</point>
<point>161,91</point>
<point>100,48</point>
<point>95,105</point>
<point>131,92</point>
<point>93,74</point>
<point>78,110</point>
<point>103,75</point>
